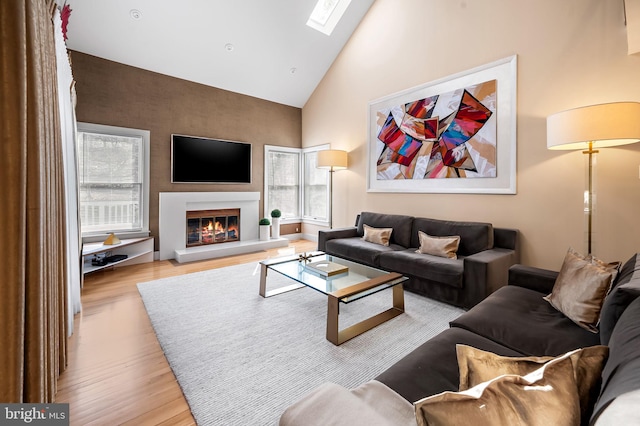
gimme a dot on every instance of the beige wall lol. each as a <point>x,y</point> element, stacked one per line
<point>570,53</point>
<point>119,95</point>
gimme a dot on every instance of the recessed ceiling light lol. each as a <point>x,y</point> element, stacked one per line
<point>229,47</point>
<point>135,14</point>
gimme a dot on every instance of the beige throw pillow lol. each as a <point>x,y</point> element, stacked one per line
<point>439,246</point>
<point>546,396</point>
<point>580,289</point>
<point>377,235</point>
<point>477,366</point>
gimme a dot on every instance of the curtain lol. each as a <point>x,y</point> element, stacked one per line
<point>66,92</point>
<point>33,298</point>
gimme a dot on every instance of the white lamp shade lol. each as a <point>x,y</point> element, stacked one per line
<point>604,125</point>
<point>332,159</point>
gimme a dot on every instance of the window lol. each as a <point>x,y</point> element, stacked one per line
<point>113,170</point>
<point>326,15</point>
<point>282,182</point>
<point>294,185</point>
<point>316,189</point>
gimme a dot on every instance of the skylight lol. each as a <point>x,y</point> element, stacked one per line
<point>327,14</point>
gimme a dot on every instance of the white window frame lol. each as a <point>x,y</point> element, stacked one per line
<point>302,151</point>
<point>146,144</point>
<point>310,219</point>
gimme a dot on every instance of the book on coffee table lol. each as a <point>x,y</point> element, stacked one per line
<point>326,268</point>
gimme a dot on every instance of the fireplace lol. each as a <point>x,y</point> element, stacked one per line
<point>212,226</point>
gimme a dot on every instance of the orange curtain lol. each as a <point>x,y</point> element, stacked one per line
<point>32,247</point>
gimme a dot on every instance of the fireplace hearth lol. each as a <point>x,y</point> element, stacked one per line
<point>212,226</point>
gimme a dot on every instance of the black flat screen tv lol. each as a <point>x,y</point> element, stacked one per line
<point>203,160</point>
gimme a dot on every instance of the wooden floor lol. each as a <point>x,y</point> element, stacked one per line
<point>117,372</point>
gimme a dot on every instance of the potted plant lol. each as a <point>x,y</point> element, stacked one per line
<point>275,220</point>
<point>264,229</point>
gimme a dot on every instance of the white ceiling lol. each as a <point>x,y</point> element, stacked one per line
<point>187,39</point>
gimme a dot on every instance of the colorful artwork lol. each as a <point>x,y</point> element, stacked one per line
<point>448,135</point>
<point>456,134</point>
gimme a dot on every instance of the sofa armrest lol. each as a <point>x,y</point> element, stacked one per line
<point>371,403</point>
<point>506,238</point>
<point>486,271</point>
<point>541,280</point>
<point>331,234</point>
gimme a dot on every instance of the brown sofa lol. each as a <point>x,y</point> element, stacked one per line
<point>483,259</point>
<point>514,321</point>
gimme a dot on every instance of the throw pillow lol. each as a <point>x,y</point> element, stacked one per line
<point>580,289</point>
<point>377,235</point>
<point>477,366</point>
<point>547,396</point>
<point>626,289</point>
<point>439,246</point>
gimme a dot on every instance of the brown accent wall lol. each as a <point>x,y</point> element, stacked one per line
<point>119,95</point>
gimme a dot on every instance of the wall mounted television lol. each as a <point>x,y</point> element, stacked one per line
<point>204,160</point>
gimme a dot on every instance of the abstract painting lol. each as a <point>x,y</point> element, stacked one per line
<point>453,135</point>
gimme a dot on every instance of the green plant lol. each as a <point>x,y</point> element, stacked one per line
<point>276,213</point>
<point>264,221</point>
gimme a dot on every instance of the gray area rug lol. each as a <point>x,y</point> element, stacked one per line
<point>242,359</point>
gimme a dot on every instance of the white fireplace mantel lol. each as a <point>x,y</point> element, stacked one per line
<point>172,223</point>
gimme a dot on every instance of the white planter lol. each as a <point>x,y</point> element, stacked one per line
<point>264,232</point>
<point>275,227</point>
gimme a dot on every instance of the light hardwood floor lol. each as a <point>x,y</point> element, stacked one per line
<point>117,372</point>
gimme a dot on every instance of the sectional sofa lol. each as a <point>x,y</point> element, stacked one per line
<point>482,259</point>
<point>525,323</point>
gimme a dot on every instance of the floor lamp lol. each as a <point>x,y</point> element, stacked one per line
<point>589,128</point>
<point>333,160</point>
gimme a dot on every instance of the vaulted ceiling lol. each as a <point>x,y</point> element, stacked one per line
<point>255,47</point>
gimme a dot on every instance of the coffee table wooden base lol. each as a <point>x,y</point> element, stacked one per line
<point>338,337</point>
<point>263,285</point>
<point>334,334</point>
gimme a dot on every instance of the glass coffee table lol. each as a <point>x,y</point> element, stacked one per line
<point>356,282</point>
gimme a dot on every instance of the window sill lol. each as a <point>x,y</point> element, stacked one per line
<point>316,222</point>
<point>122,235</point>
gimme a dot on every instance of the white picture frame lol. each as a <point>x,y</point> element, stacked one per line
<point>503,181</point>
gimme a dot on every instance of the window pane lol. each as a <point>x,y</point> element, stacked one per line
<point>316,201</point>
<point>110,180</point>
<point>283,183</point>
<point>112,159</point>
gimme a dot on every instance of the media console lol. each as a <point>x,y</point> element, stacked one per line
<point>137,250</point>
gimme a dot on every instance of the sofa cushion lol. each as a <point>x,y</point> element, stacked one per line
<point>474,236</point>
<point>580,289</point>
<point>477,366</point>
<point>432,367</point>
<point>626,288</point>
<point>438,246</point>
<point>401,225</point>
<point>359,250</point>
<point>544,397</point>
<point>522,320</point>
<point>621,374</point>
<point>377,235</point>
<point>434,268</point>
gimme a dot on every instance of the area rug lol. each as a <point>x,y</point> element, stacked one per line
<point>242,359</point>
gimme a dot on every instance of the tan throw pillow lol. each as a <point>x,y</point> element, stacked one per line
<point>547,396</point>
<point>580,289</point>
<point>377,235</point>
<point>477,366</point>
<point>438,246</point>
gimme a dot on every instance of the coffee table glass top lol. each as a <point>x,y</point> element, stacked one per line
<point>294,268</point>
